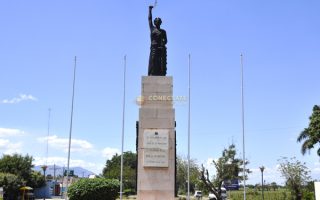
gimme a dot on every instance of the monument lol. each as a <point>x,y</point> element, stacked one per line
<point>156,141</point>
<point>158,50</point>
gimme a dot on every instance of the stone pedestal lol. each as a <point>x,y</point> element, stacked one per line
<point>156,140</point>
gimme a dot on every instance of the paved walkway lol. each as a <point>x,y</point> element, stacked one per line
<point>53,198</point>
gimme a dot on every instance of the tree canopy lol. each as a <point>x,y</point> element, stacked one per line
<point>182,175</point>
<point>17,164</point>
<point>228,167</point>
<point>19,169</point>
<point>296,175</point>
<point>310,136</point>
<point>11,184</point>
<point>112,169</point>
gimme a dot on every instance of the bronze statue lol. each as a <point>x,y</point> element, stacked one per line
<point>158,49</point>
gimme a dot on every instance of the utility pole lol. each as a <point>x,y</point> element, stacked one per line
<point>54,172</point>
<point>55,168</point>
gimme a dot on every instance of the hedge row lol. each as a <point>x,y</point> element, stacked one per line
<point>94,189</point>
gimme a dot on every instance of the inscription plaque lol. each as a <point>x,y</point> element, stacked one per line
<point>155,148</point>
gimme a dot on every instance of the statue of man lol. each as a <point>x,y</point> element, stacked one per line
<point>158,49</point>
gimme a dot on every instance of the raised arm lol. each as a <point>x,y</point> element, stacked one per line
<point>150,17</point>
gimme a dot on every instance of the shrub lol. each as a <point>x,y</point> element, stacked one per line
<point>94,189</point>
<point>128,192</point>
<point>308,195</point>
<point>11,184</point>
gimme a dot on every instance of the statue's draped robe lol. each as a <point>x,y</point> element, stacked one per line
<point>158,53</point>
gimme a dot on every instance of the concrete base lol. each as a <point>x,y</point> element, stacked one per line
<point>156,153</point>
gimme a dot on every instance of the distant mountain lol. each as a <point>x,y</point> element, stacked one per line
<point>78,171</point>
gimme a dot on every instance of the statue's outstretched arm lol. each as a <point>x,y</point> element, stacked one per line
<point>150,17</point>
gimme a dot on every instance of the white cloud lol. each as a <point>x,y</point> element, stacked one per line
<point>209,162</point>
<point>8,147</point>
<point>21,97</point>
<point>316,170</point>
<point>7,132</point>
<point>210,166</point>
<point>77,145</point>
<point>109,152</point>
<point>270,174</point>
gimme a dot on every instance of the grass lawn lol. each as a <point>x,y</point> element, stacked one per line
<point>251,194</point>
<point>135,197</point>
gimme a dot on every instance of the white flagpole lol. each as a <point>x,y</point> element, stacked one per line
<point>243,135</point>
<point>189,127</point>
<point>48,133</point>
<point>123,120</point>
<point>71,120</point>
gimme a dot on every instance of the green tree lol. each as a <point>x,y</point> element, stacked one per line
<point>182,175</point>
<point>36,180</point>
<point>296,175</point>
<point>112,169</point>
<point>274,186</point>
<point>21,166</point>
<point>228,167</point>
<point>310,136</point>
<point>11,184</point>
<point>308,193</point>
<point>18,165</point>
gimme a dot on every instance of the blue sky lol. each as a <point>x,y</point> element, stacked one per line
<point>279,40</point>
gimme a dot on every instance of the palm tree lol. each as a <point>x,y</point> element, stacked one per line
<point>310,136</point>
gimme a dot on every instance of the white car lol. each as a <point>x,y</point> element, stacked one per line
<point>198,194</point>
<point>212,196</point>
<point>223,195</point>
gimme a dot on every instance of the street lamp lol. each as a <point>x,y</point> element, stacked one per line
<point>262,169</point>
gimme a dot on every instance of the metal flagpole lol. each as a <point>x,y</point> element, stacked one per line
<point>47,152</point>
<point>123,117</point>
<point>45,166</point>
<point>70,132</point>
<point>189,129</point>
<point>243,135</point>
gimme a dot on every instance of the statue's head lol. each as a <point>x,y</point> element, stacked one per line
<point>157,21</point>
